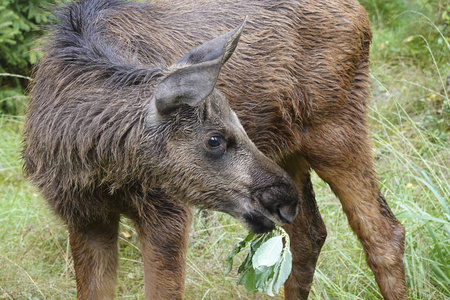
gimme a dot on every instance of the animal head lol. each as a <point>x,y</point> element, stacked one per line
<point>209,161</point>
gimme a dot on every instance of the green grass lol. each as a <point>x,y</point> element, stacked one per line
<point>409,118</point>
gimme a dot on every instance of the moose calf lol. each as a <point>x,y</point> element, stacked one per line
<point>129,116</point>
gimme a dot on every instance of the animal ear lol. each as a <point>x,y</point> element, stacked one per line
<point>196,73</point>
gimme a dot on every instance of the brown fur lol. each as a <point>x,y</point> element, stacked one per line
<point>298,83</point>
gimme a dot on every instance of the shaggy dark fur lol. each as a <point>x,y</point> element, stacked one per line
<point>100,140</point>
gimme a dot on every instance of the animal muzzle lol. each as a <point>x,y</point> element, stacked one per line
<point>278,202</point>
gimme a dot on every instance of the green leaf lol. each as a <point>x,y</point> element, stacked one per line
<point>256,243</point>
<point>267,264</point>
<point>246,264</point>
<point>262,276</point>
<point>248,280</point>
<point>268,253</point>
<point>236,250</point>
<point>285,270</point>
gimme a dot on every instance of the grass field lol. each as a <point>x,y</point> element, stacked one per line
<point>409,117</point>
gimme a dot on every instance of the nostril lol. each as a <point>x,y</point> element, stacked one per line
<point>287,214</point>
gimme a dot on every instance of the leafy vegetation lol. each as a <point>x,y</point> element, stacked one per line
<point>409,117</point>
<point>20,24</point>
<point>268,263</point>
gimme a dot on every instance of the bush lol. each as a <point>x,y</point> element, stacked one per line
<point>20,24</point>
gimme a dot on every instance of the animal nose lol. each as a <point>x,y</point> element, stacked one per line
<point>287,213</point>
<point>280,200</point>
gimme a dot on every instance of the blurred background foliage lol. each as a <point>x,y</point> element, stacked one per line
<point>411,44</point>
<point>21,23</point>
<point>410,24</point>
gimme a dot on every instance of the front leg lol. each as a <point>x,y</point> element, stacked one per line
<point>307,232</point>
<point>164,234</point>
<point>94,247</point>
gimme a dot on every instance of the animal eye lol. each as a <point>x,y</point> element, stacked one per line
<point>216,146</point>
<point>214,141</point>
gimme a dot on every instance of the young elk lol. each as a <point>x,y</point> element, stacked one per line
<point>118,126</point>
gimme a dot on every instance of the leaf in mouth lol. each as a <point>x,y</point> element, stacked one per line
<point>267,264</point>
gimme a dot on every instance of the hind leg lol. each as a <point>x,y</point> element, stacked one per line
<point>380,233</point>
<point>307,232</point>
<point>164,236</point>
<point>95,252</point>
<point>343,159</point>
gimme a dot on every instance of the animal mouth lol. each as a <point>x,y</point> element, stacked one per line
<point>256,219</point>
<point>257,222</point>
